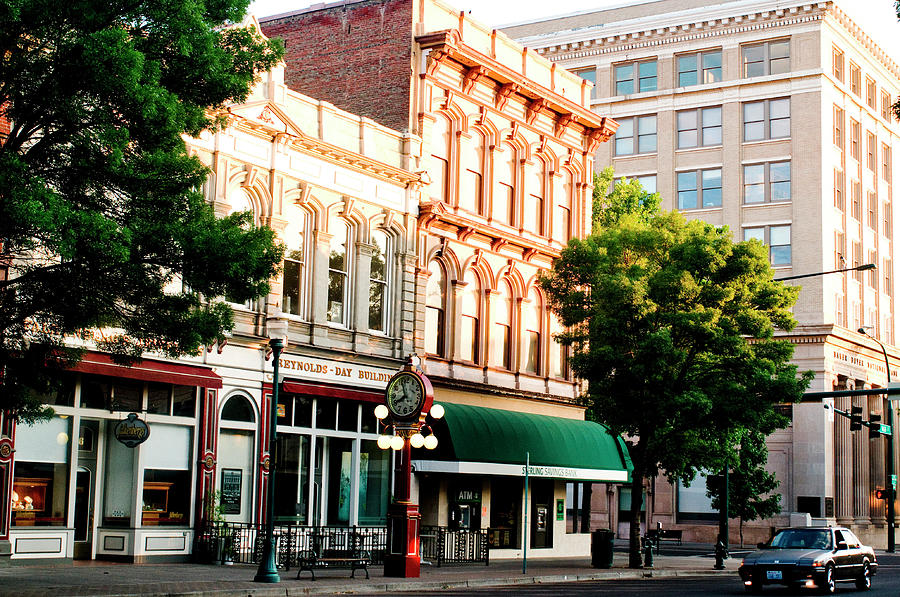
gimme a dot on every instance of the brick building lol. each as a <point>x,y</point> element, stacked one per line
<point>506,144</point>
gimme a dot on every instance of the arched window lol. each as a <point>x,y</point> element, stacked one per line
<point>379,276</point>
<point>562,209</point>
<point>504,185</point>
<point>338,271</point>
<point>238,408</point>
<point>533,212</point>
<point>440,159</point>
<point>471,187</point>
<point>293,299</point>
<point>530,358</point>
<point>240,201</point>
<point>435,291</point>
<point>470,321</point>
<point>559,354</point>
<point>501,327</point>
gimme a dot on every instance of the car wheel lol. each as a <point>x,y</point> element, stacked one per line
<point>828,580</point>
<point>864,580</point>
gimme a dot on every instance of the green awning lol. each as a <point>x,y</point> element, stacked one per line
<point>494,442</point>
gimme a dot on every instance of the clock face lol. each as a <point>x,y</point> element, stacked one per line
<point>405,395</point>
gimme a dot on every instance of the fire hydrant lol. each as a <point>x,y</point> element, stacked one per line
<point>647,547</point>
<point>721,554</point>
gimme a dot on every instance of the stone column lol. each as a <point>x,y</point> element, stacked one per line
<point>843,465</point>
<point>877,448</point>
<point>861,493</point>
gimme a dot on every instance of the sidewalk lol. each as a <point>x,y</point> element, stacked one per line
<point>111,579</point>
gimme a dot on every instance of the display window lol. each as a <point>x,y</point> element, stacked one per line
<point>166,494</point>
<point>374,483</point>
<point>41,474</point>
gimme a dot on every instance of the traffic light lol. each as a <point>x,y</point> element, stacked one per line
<point>874,425</point>
<point>881,494</point>
<point>855,418</point>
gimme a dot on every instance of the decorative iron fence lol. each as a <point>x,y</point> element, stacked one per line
<point>242,543</point>
<point>442,546</point>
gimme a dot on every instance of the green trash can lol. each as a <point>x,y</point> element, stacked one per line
<point>602,548</point>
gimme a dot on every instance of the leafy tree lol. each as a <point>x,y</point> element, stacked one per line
<point>102,221</point>
<point>626,197</point>
<point>672,326</point>
<point>750,485</point>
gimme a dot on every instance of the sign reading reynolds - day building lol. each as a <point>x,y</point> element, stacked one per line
<point>320,370</point>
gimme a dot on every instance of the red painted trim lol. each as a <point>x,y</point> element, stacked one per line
<point>299,387</point>
<point>160,371</point>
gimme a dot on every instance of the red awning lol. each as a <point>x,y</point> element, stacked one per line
<point>99,363</point>
<point>300,387</point>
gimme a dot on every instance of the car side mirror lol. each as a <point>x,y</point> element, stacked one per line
<point>842,545</point>
<point>760,545</point>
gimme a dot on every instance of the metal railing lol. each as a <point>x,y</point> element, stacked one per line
<point>441,546</point>
<point>242,542</point>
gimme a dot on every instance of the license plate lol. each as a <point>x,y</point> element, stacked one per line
<point>773,574</point>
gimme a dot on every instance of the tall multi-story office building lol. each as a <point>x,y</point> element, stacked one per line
<point>772,117</point>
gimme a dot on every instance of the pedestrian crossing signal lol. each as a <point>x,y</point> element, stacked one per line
<point>881,494</point>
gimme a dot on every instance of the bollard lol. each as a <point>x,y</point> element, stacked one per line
<point>647,546</point>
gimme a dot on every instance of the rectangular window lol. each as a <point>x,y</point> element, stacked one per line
<point>764,183</point>
<point>872,210</point>
<point>648,182</point>
<point>41,481</point>
<point>641,127</point>
<point>839,250</point>
<point>769,119</point>
<point>837,64</point>
<point>886,163</point>
<point>839,127</point>
<point>871,145</point>
<point>839,190</point>
<point>871,98</point>
<point>378,282</point>
<point>873,273</point>
<point>886,106</point>
<point>855,80</point>
<point>887,218</point>
<point>770,58</point>
<point>888,277</point>
<point>700,189</point>
<point>854,139</point>
<point>589,74</point>
<point>634,77</point>
<point>856,200</point>
<point>699,67</point>
<point>699,128</point>
<point>778,238</point>
<point>857,261</point>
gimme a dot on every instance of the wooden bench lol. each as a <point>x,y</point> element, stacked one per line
<point>657,535</point>
<point>354,559</point>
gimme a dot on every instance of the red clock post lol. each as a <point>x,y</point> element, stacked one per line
<point>408,401</point>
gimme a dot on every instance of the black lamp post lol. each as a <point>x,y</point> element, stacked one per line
<point>267,571</point>
<point>889,416</point>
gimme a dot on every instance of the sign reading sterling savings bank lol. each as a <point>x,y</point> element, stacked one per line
<point>335,372</point>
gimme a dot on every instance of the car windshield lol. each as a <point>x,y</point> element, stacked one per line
<point>801,539</point>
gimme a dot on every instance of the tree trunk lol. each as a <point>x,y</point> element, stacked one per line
<point>634,530</point>
<point>741,531</point>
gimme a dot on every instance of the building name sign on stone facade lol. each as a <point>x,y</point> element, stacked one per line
<point>336,372</point>
<point>855,366</point>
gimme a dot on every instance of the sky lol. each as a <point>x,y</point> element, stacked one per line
<point>876,17</point>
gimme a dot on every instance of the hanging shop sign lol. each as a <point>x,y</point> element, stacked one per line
<point>132,431</point>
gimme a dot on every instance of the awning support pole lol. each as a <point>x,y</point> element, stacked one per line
<point>525,533</point>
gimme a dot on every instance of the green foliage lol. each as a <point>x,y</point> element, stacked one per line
<point>101,216</point>
<point>672,325</point>
<point>627,197</point>
<point>750,485</point>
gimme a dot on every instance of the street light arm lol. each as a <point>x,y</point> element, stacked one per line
<point>858,268</point>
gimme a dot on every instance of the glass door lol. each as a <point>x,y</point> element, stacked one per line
<point>85,489</point>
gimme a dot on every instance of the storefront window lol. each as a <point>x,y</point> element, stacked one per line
<point>348,416</point>
<point>693,503</point>
<point>625,504</point>
<point>340,453</point>
<point>167,477</point>
<point>506,517</point>
<point>96,392</point>
<point>61,393</point>
<point>41,477</point>
<point>325,413</point>
<point>291,477</point>
<point>374,483</point>
<point>184,401</point>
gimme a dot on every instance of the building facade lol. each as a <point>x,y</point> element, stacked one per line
<point>336,189</point>
<point>773,118</point>
<point>506,145</point>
